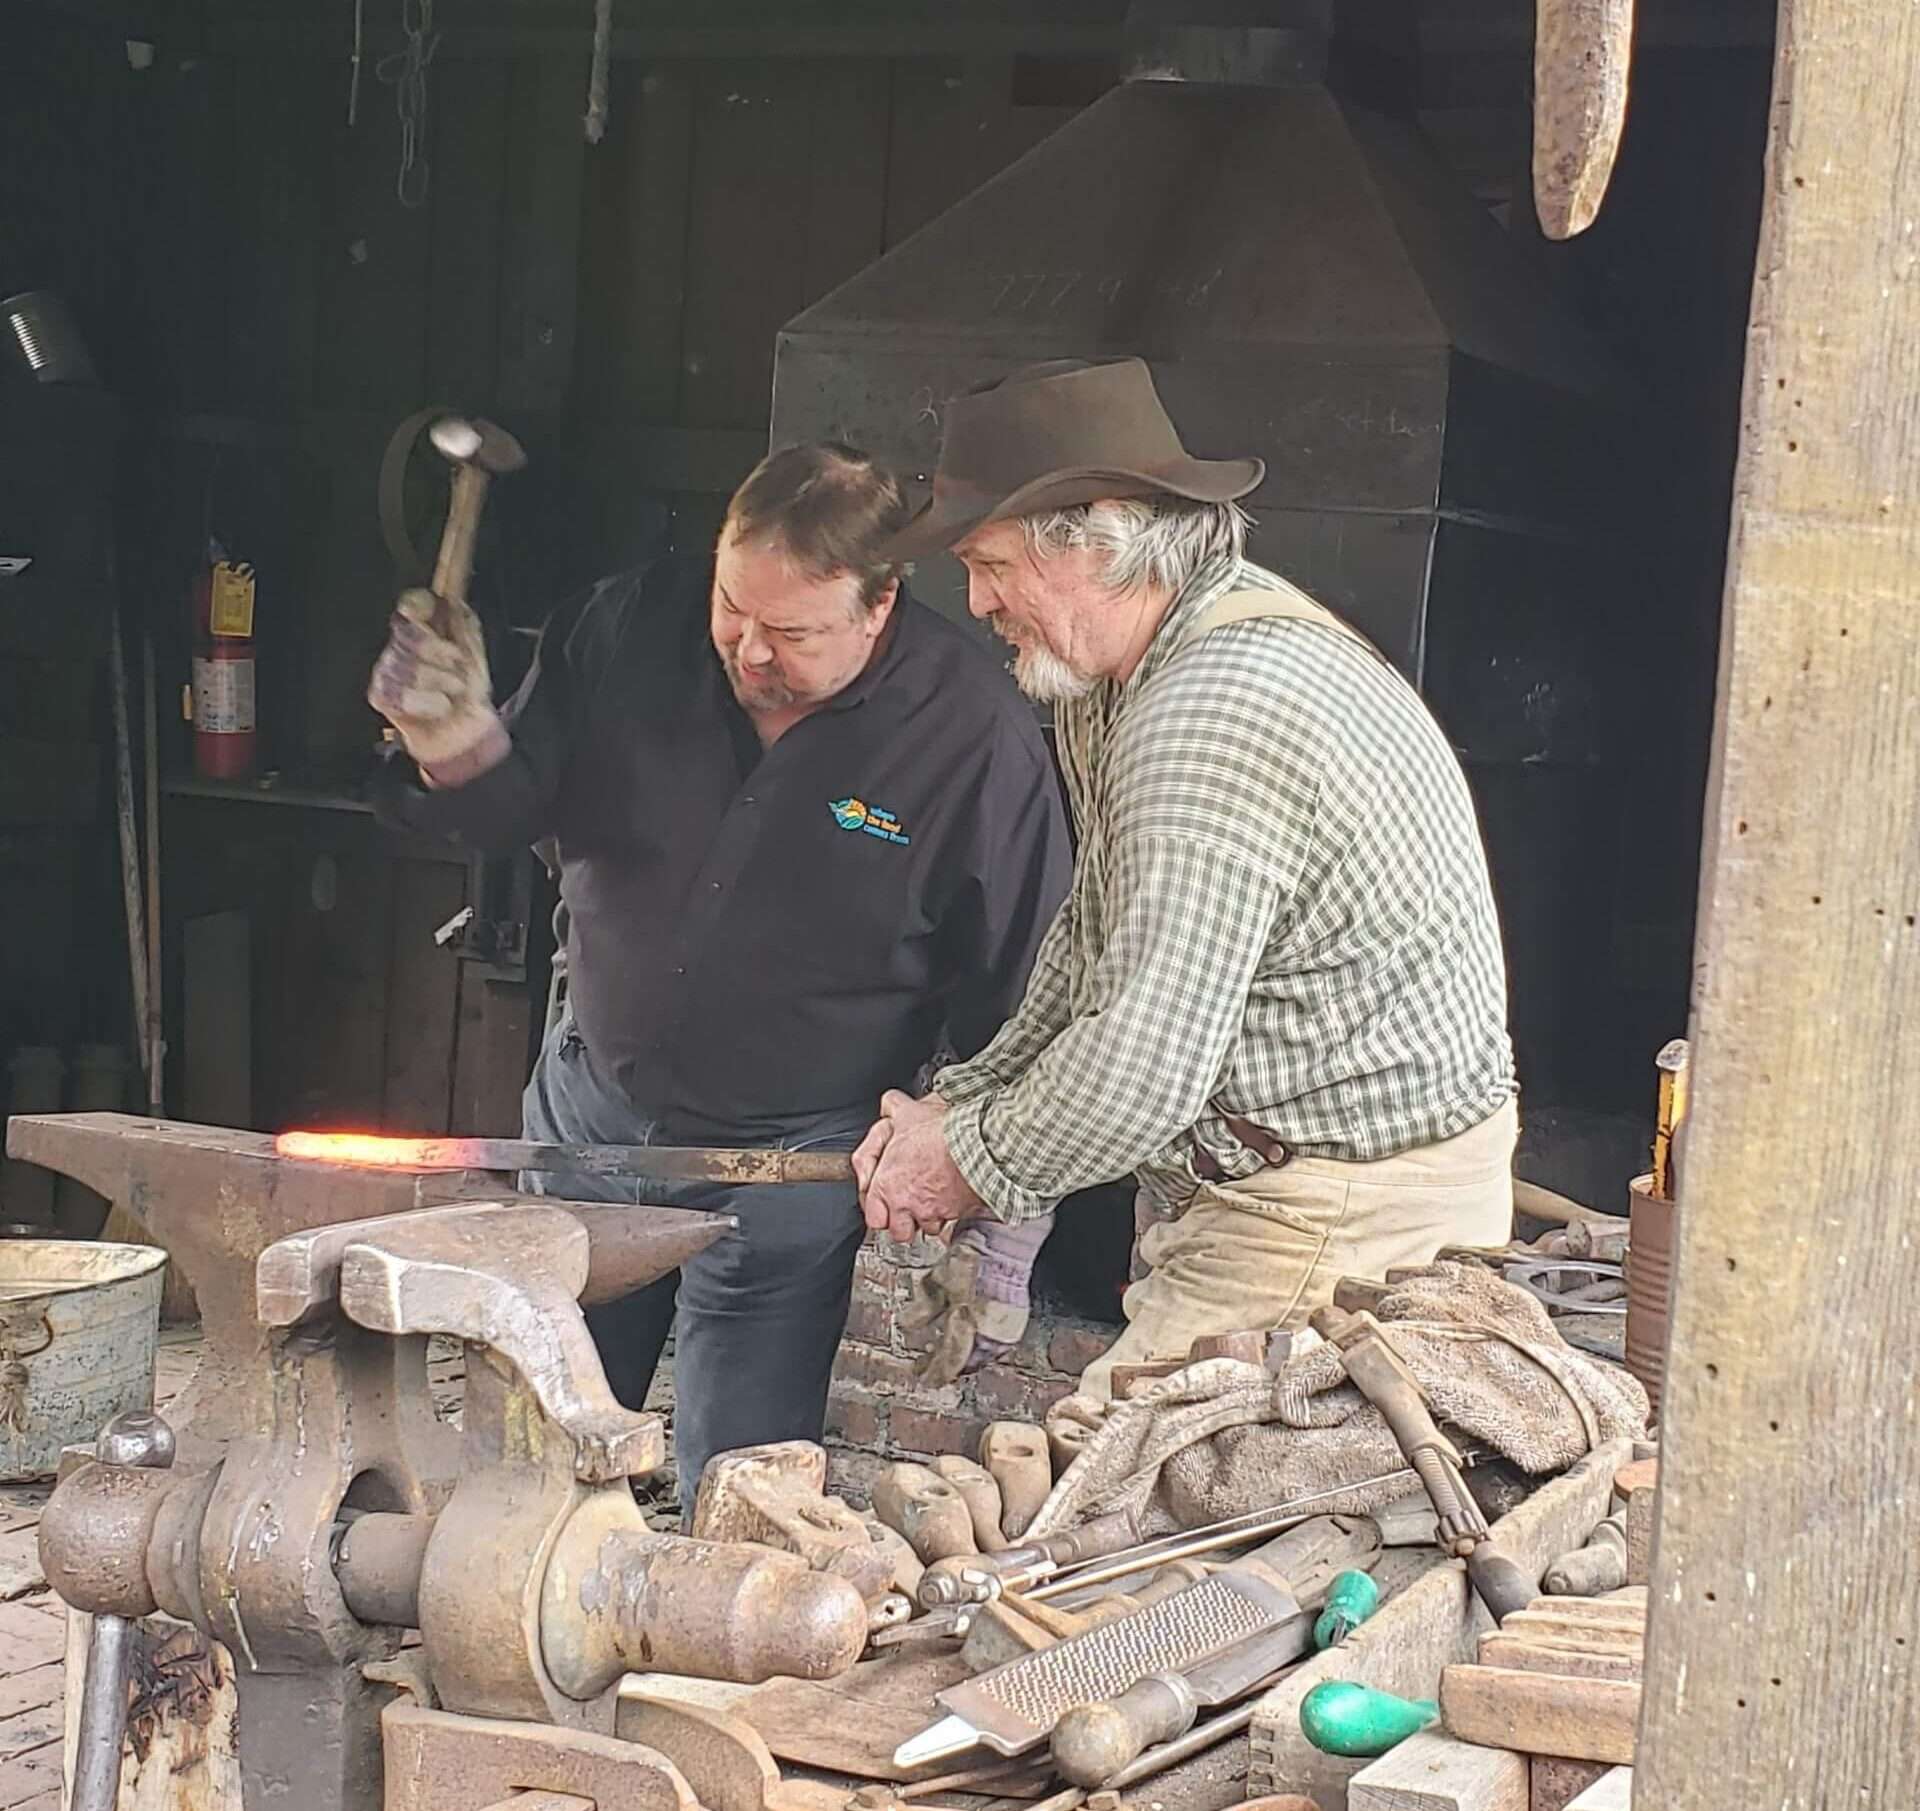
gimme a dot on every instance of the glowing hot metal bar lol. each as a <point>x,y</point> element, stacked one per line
<point>667,1163</point>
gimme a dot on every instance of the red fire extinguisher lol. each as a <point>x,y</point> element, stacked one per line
<point>224,739</point>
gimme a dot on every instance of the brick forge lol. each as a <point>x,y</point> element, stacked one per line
<point>879,1411</point>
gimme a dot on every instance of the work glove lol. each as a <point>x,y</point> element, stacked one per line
<point>436,691</point>
<point>975,1297</point>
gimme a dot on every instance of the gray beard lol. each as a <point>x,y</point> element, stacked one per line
<point>759,695</point>
<point>1047,679</point>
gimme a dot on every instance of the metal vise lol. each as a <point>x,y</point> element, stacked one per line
<point>333,1511</point>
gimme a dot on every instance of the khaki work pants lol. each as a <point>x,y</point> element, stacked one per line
<point>1267,1250</point>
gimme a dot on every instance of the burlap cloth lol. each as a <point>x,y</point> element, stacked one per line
<point>1221,1438</point>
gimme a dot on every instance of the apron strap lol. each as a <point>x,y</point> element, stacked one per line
<point>1289,604</point>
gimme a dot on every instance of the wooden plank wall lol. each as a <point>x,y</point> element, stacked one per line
<point>1780,1652</point>
<point>359,1019</point>
<point>615,304</point>
<point>275,308</point>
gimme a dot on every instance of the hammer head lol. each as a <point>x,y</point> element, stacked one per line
<point>473,441</point>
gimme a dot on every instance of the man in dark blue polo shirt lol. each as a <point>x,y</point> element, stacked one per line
<point>808,834</point>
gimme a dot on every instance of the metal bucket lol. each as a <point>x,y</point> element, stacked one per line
<point>79,1324</point>
<point>1649,1285</point>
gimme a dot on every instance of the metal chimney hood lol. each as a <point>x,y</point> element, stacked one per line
<point>1442,440</point>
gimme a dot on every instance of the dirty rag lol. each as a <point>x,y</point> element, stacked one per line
<point>1220,1438</point>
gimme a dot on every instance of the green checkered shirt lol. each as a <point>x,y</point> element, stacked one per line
<point>1280,911</point>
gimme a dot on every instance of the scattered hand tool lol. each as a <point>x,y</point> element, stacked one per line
<point>908,1567</point>
<point>777,1495</point>
<point>1015,1707</point>
<point>1016,1454</point>
<point>135,1437</point>
<point>1351,1600</point>
<point>1235,1531</point>
<point>1165,1755</point>
<point>1378,1372</point>
<point>1598,1567</point>
<point>977,1578</point>
<point>927,1510</point>
<point>980,1494</point>
<point>1093,1741</point>
<point>1105,1548</point>
<point>1071,1426</point>
<point>1341,1717</point>
<point>1011,1626</point>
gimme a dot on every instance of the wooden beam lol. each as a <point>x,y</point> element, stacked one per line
<point>1432,1772</point>
<point>1541,1713</point>
<point>1781,1648</point>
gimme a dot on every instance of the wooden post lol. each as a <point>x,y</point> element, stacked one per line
<point>1781,1659</point>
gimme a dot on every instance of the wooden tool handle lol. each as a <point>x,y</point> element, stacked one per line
<point>1092,1742</point>
<point>453,569</point>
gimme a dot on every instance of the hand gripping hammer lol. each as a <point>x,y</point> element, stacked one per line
<point>479,452</point>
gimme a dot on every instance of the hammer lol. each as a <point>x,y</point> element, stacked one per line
<point>479,452</point>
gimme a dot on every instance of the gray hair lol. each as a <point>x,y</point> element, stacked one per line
<point>1161,541</point>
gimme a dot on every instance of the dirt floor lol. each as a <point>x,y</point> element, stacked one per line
<point>33,1622</point>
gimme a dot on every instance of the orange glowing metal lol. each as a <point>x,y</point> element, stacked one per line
<point>694,1163</point>
<point>367,1148</point>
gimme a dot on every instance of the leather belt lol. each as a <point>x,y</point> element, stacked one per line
<point>1271,1150</point>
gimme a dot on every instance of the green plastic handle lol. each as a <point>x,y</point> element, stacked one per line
<point>1351,1600</point>
<point>1343,1718</point>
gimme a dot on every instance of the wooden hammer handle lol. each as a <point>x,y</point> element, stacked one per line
<point>453,569</point>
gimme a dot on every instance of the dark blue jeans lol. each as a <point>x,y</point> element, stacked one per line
<point>757,1318</point>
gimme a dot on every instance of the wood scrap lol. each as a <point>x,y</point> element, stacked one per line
<point>722,1756</point>
<point>854,1723</point>
<point>1435,1620</point>
<point>1541,1713</point>
<point>1628,1604</point>
<point>1433,1772</point>
<point>1582,1637</point>
<point>1509,1651</point>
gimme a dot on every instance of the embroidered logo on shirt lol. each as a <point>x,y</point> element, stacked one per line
<point>857,814</point>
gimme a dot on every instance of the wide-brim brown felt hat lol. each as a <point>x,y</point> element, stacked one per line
<point>1056,434</point>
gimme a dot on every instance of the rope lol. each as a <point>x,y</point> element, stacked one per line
<point>405,71</point>
<point>14,1375</point>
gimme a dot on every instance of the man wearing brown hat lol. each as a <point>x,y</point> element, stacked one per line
<point>1276,992</point>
